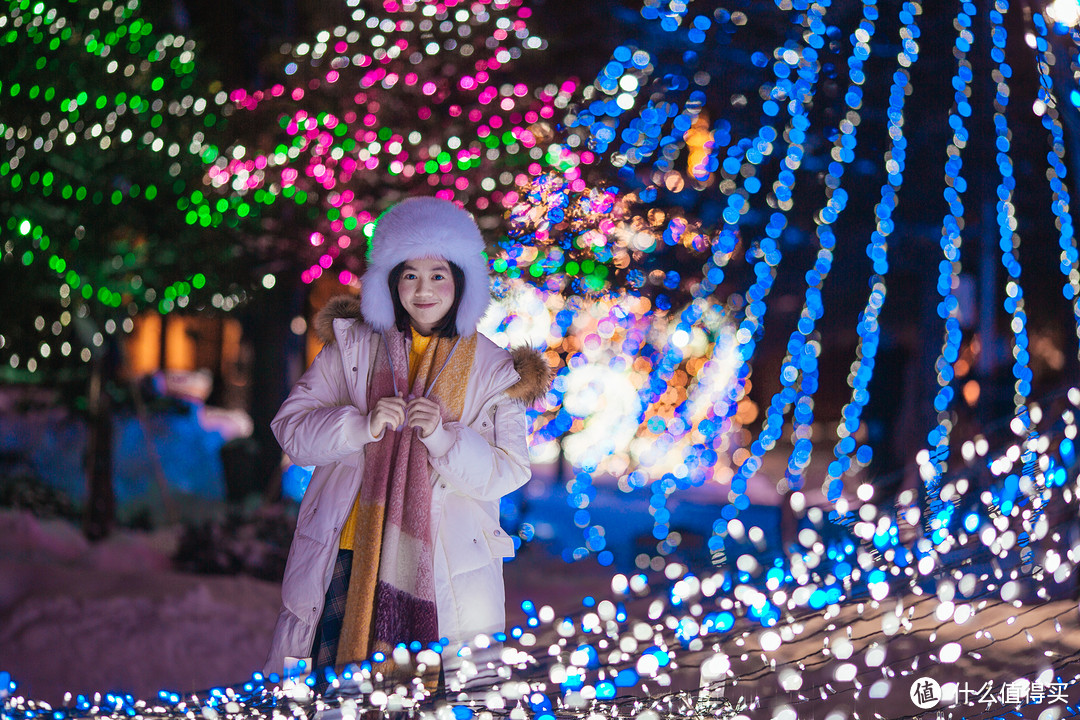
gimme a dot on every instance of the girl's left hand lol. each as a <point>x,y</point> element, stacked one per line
<point>423,414</point>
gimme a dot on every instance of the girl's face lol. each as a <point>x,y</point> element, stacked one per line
<point>426,291</point>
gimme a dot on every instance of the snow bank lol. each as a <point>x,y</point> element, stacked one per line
<point>112,616</point>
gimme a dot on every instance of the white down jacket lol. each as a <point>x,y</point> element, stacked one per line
<point>324,423</point>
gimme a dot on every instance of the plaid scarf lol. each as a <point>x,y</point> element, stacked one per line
<point>391,596</point>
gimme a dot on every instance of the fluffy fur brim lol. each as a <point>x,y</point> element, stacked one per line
<point>338,307</point>
<point>426,227</point>
<point>536,375</point>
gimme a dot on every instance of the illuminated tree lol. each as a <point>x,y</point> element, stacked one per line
<point>106,133</point>
<point>415,98</point>
<point>782,135</point>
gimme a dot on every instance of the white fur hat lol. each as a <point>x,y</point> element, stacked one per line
<point>421,227</point>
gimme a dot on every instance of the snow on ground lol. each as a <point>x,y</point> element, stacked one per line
<point>82,618</point>
<point>113,616</point>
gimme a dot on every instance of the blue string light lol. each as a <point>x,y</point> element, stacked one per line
<point>809,349</point>
<point>641,139</point>
<point>670,18</point>
<point>656,135</point>
<point>1069,262</point>
<point>799,370</point>
<point>621,80</point>
<point>939,513</point>
<point>766,255</point>
<point>862,368</point>
<point>796,94</point>
<point>1009,240</point>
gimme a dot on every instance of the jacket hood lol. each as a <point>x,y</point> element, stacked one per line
<point>423,227</point>
<point>536,375</point>
<point>339,307</point>
<point>534,371</point>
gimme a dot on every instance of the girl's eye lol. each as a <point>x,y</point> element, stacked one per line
<point>410,276</point>
<point>439,276</point>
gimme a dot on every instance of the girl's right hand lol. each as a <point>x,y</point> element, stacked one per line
<point>389,412</point>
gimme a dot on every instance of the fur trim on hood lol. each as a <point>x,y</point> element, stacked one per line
<point>344,307</point>
<point>421,227</point>
<point>536,374</point>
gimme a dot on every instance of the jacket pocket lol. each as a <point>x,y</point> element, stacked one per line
<point>487,426</point>
<point>477,549</point>
<point>500,543</point>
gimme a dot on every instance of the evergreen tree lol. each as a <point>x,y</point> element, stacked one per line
<point>106,132</point>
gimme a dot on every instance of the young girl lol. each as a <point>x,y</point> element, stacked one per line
<point>416,425</point>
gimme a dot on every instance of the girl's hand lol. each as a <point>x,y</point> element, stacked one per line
<point>389,412</point>
<point>423,414</point>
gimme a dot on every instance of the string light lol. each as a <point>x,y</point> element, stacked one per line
<point>1006,217</point>
<point>662,363</point>
<point>463,137</point>
<point>744,634</point>
<point>1070,258</point>
<point>869,327</point>
<point>799,369</point>
<point>753,151</point>
<point>768,255</point>
<point>94,161</point>
<point>798,374</point>
<point>939,513</point>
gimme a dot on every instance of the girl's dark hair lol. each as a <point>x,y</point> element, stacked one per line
<point>447,327</point>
